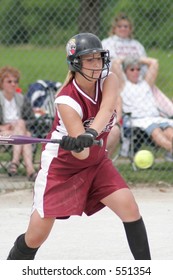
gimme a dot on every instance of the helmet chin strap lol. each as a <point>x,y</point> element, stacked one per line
<point>91,78</point>
<point>85,76</point>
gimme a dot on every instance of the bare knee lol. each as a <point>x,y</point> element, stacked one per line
<point>38,230</point>
<point>28,133</point>
<point>129,210</point>
<point>123,204</point>
<point>130,213</point>
<point>20,125</point>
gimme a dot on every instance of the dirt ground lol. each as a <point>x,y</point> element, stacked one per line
<point>98,237</point>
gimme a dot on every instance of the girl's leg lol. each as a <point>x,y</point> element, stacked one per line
<point>123,204</point>
<point>26,245</point>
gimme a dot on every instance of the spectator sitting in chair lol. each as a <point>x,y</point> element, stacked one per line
<point>138,99</point>
<point>14,109</point>
<point>121,43</point>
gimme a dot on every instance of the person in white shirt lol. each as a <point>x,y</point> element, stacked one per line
<point>121,43</point>
<point>13,110</point>
<point>137,99</point>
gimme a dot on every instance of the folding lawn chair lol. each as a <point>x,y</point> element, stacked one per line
<point>41,95</point>
<point>132,139</point>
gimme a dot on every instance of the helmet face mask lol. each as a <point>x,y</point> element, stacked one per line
<point>83,44</point>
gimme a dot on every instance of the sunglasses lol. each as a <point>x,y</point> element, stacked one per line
<point>135,69</point>
<point>12,81</point>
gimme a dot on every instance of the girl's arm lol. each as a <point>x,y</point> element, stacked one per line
<point>74,126</point>
<point>110,101</point>
<point>73,122</point>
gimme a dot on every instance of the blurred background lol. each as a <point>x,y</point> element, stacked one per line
<point>33,35</point>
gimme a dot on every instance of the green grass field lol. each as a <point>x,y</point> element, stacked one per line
<point>164,80</point>
<point>50,64</point>
<point>160,172</point>
<point>35,63</point>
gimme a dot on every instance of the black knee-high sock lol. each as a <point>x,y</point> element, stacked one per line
<point>137,239</point>
<point>20,251</point>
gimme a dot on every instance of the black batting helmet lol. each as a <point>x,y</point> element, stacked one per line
<point>81,44</point>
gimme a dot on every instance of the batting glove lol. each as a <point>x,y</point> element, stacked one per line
<point>69,143</point>
<point>86,139</point>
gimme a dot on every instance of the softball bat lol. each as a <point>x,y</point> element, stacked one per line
<point>21,140</point>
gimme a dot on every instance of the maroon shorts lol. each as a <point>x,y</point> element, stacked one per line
<point>77,193</point>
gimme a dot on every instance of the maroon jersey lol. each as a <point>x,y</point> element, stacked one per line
<point>66,185</point>
<point>83,104</point>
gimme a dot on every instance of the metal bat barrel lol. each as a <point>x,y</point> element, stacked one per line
<point>21,140</point>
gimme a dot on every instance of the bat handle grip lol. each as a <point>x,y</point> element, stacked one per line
<point>98,142</point>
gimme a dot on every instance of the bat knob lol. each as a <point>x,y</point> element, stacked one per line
<point>101,143</point>
<point>98,142</point>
